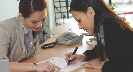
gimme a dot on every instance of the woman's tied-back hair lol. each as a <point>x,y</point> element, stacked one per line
<point>102,10</point>
<point>79,5</point>
<point>27,7</point>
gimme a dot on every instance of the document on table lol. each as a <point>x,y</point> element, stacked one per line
<point>63,64</point>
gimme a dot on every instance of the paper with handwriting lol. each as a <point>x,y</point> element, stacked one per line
<point>63,64</point>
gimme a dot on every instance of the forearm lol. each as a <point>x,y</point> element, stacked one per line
<point>91,54</point>
<point>20,67</point>
<point>84,57</point>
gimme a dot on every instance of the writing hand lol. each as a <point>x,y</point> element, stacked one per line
<point>74,58</point>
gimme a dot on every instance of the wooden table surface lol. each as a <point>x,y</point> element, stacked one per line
<point>61,50</point>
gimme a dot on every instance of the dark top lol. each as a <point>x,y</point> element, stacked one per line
<point>118,47</point>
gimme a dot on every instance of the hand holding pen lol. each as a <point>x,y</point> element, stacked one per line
<point>73,57</point>
<point>69,61</point>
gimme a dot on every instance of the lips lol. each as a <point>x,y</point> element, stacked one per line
<point>37,28</point>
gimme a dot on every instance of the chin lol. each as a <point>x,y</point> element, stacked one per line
<point>90,33</point>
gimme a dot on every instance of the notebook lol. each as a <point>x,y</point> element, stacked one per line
<point>4,65</point>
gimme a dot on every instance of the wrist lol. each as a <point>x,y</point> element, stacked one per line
<point>34,67</point>
<point>84,57</point>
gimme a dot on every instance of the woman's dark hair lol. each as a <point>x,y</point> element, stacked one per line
<point>27,7</point>
<point>102,10</point>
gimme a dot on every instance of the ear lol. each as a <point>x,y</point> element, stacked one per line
<point>21,16</point>
<point>90,12</point>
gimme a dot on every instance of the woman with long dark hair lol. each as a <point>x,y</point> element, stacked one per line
<point>114,36</point>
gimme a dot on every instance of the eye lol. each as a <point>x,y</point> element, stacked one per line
<point>78,20</point>
<point>34,22</point>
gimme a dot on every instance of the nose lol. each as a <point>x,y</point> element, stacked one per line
<point>39,24</point>
<point>80,27</point>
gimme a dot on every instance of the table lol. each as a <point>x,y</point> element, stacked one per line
<point>61,50</point>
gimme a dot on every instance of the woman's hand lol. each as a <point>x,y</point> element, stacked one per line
<point>46,67</point>
<point>95,63</point>
<point>75,58</point>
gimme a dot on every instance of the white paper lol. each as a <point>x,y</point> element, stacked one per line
<point>63,64</point>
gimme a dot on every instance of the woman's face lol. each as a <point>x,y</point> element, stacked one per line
<point>85,20</point>
<point>35,20</point>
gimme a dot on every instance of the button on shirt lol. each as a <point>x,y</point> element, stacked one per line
<point>28,41</point>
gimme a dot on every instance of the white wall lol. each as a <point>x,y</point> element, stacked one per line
<point>8,9</point>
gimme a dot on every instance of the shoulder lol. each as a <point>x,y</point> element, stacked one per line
<point>111,23</point>
<point>9,24</point>
<point>111,27</point>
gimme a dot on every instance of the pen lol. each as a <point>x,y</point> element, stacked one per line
<point>69,61</point>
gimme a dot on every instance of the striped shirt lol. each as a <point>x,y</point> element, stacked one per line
<point>29,43</point>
